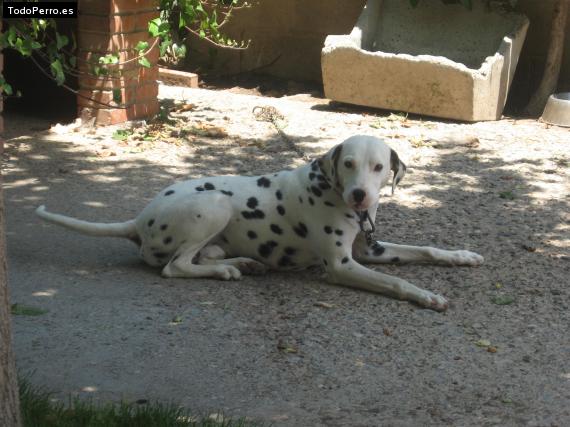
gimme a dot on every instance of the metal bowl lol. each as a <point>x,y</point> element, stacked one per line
<point>557,110</point>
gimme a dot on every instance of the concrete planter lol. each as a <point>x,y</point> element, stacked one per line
<point>439,60</point>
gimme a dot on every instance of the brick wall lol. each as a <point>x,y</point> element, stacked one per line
<point>116,26</point>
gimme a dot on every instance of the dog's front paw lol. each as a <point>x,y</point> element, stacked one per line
<point>251,266</point>
<point>465,258</point>
<point>227,272</point>
<point>432,301</point>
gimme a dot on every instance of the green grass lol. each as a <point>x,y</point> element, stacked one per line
<point>40,410</point>
<point>24,310</point>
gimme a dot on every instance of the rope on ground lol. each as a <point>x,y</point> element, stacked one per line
<point>272,115</point>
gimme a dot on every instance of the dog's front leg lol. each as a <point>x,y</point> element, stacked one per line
<point>347,272</point>
<point>383,252</point>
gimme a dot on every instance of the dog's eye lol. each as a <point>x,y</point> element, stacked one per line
<point>348,164</point>
<point>378,167</point>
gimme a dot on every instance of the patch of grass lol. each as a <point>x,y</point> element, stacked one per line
<point>508,195</point>
<point>122,134</point>
<point>24,310</point>
<point>40,410</point>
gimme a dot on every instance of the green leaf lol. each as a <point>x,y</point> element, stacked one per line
<point>141,46</point>
<point>117,96</point>
<point>57,71</point>
<point>6,88</point>
<point>153,27</point>
<point>61,41</point>
<point>502,300</point>
<point>144,62</point>
<point>24,310</point>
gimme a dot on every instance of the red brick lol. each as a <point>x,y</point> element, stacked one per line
<point>100,7</point>
<point>178,78</point>
<point>142,20</point>
<point>120,6</point>
<point>101,42</point>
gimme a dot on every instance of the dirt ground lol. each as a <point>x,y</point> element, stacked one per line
<point>287,348</point>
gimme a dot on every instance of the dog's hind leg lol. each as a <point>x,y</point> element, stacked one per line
<point>215,255</point>
<point>183,264</point>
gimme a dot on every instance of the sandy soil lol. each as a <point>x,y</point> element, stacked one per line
<point>286,348</point>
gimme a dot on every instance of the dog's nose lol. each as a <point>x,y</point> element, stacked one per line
<point>358,195</point>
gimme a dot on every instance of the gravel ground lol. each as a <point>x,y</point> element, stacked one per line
<point>286,348</point>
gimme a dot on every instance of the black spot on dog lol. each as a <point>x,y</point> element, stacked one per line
<point>308,189</point>
<point>227,193</point>
<point>150,223</point>
<point>199,189</point>
<point>167,240</point>
<point>198,216</point>
<point>339,232</point>
<point>329,204</point>
<point>285,261</point>
<point>300,199</point>
<point>290,251</point>
<point>312,175</point>
<point>339,243</point>
<point>276,229</point>
<point>301,230</point>
<point>256,214</point>
<point>266,249</point>
<point>314,166</point>
<point>252,234</point>
<point>344,260</point>
<point>396,259</point>
<point>378,249</point>
<point>209,186</point>
<point>321,178</point>
<point>279,195</point>
<point>169,192</point>
<point>280,210</point>
<point>328,229</point>
<point>252,203</point>
<point>325,262</point>
<point>164,227</point>
<point>324,186</point>
<point>316,191</point>
<point>263,182</point>
<point>311,201</point>
<point>160,254</point>
<point>349,216</point>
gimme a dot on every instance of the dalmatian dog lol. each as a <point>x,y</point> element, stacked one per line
<point>317,214</point>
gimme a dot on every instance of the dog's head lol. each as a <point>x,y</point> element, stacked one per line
<point>359,167</point>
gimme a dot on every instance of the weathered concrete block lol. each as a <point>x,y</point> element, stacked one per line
<point>437,59</point>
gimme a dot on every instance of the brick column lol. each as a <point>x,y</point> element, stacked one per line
<point>116,26</point>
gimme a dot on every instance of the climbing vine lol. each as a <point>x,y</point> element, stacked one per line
<point>179,20</point>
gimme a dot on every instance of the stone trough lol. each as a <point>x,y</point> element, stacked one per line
<point>437,59</point>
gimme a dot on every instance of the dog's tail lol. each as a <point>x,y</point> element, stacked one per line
<point>125,229</point>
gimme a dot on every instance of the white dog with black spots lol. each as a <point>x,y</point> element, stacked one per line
<point>317,214</point>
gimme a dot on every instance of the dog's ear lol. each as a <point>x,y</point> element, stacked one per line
<point>398,167</point>
<point>329,165</point>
